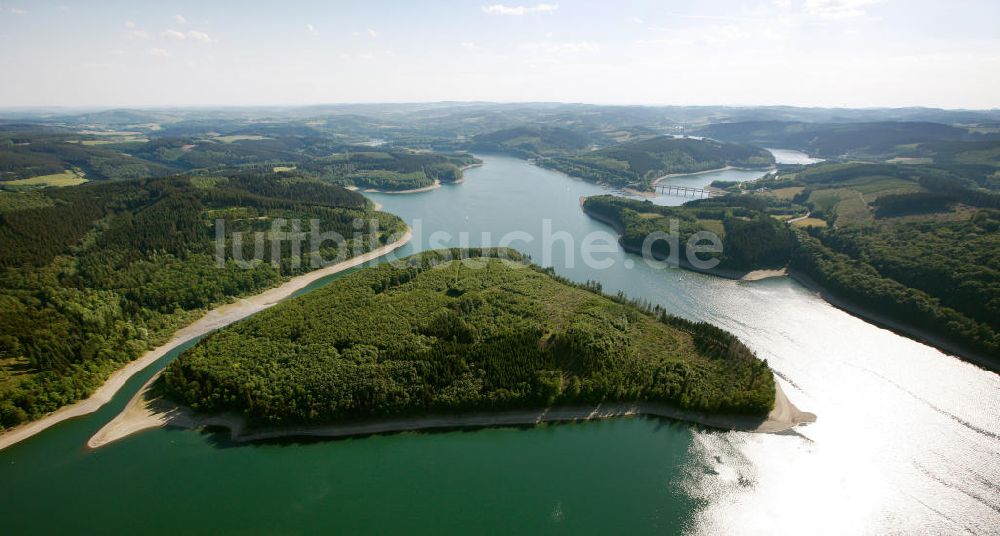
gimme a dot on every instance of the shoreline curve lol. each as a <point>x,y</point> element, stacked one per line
<point>215,318</point>
<point>144,412</point>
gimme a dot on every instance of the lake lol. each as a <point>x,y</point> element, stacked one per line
<point>908,438</point>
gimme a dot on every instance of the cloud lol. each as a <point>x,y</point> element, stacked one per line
<point>469,46</point>
<point>199,36</point>
<point>311,29</point>
<point>372,33</point>
<point>369,32</point>
<point>837,9</point>
<point>174,34</point>
<point>579,47</point>
<point>158,52</point>
<point>180,19</point>
<point>501,9</point>
<point>18,11</point>
<point>133,32</point>
<point>193,35</point>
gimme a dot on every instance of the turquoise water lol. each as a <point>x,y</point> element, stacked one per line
<point>908,439</point>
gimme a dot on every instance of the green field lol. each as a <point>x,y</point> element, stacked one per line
<point>239,137</point>
<point>109,141</point>
<point>66,178</point>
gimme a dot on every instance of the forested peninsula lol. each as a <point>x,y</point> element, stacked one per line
<point>435,334</point>
<point>92,276</point>
<point>750,238</point>
<point>909,246</point>
<point>638,164</point>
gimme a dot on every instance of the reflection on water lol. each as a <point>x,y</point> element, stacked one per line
<point>907,438</point>
<point>906,441</point>
<point>788,156</point>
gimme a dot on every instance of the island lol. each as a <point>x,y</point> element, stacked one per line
<point>460,337</point>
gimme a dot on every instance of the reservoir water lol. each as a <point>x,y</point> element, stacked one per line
<point>907,441</point>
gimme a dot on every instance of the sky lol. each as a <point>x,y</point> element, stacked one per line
<point>846,53</point>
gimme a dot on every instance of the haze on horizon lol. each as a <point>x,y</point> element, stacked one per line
<point>845,53</point>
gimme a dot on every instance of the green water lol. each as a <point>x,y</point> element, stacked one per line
<point>907,439</point>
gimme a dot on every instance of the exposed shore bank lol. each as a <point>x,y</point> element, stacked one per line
<point>435,185</point>
<point>724,168</point>
<point>739,275</point>
<point>863,313</point>
<point>897,327</point>
<point>214,319</point>
<point>145,412</point>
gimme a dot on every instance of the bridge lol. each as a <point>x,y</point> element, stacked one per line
<point>684,191</point>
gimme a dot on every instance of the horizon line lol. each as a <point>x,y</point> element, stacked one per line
<point>106,107</point>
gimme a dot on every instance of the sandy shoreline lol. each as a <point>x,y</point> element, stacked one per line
<point>437,184</point>
<point>726,168</point>
<point>893,325</point>
<point>144,413</point>
<point>754,275</point>
<point>214,319</point>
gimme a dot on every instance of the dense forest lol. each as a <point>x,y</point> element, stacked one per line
<point>432,333</point>
<point>637,164</point>
<point>942,277</point>
<point>387,169</point>
<point>879,140</point>
<point>531,141</point>
<point>751,238</point>
<point>915,243</point>
<point>27,152</point>
<point>91,276</point>
<point>30,153</point>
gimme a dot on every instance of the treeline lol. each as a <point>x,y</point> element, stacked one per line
<point>893,205</point>
<point>953,261</point>
<point>34,151</point>
<point>104,271</point>
<point>26,154</point>
<point>860,283</point>
<point>751,239</point>
<point>869,139</point>
<point>433,334</point>
<point>390,169</point>
<point>530,141</point>
<point>636,164</point>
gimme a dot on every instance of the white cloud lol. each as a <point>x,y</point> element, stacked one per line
<point>18,11</point>
<point>158,52</point>
<point>837,9</point>
<point>635,20</point>
<point>311,29</point>
<point>180,19</point>
<point>174,34</point>
<point>133,32</point>
<point>579,47</point>
<point>199,36</point>
<point>193,35</point>
<point>501,9</point>
<point>369,32</point>
<point>469,46</point>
